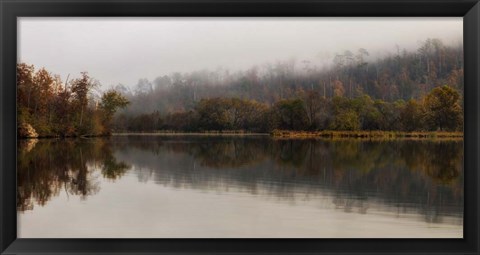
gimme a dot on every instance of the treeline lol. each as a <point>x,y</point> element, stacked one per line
<point>440,109</point>
<point>48,107</point>
<point>402,75</point>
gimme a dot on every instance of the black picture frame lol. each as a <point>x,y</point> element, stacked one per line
<point>10,10</point>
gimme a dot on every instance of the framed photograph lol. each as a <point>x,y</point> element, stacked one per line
<point>153,127</point>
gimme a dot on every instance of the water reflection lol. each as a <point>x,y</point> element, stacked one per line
<point>404,177</point>
<point>46,167</point>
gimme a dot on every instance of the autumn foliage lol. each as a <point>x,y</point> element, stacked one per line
<point>59,109</point>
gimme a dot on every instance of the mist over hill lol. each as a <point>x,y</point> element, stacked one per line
<point>419,90</point>
<point>402,75</point>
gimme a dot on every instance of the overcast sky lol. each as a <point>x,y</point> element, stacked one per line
<point>123,50</point>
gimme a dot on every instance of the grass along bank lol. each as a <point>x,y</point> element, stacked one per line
<point>366,134</point>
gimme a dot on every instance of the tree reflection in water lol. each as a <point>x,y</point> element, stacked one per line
<point>426,176</point>
<point>46,167</point>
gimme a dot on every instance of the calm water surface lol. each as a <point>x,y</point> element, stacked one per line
<point>254,186</point>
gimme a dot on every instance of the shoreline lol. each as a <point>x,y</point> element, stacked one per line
<point>285,134</point>
<point>60,137</point>
<point>325,134</point>
<point>189,134</point>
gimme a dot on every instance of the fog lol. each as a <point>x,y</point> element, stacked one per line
<point>123,50</point>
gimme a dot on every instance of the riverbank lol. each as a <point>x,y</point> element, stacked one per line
<point>286,134</point>
<point>367,134</point>
<point>326,134</point>
<point>59,137</point>
<point>210,133</point>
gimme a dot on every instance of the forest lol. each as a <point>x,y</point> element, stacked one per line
<point>48,107</point>
<point>408,91</point>
<point>419,90</point>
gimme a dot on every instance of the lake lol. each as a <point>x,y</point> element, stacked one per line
<point>154,186</point>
